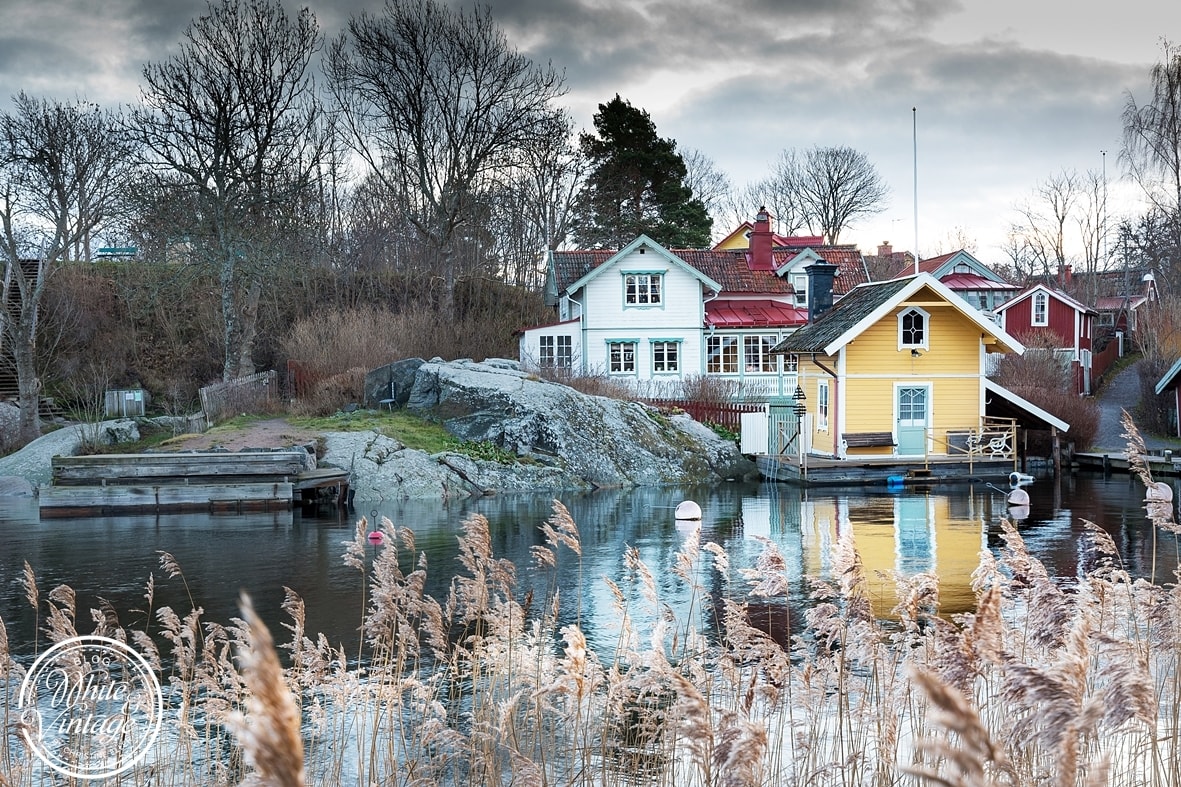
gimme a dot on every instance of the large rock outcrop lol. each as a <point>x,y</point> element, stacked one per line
<point>602,441</point>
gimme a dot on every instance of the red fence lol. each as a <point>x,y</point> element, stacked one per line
<point>727,414</point>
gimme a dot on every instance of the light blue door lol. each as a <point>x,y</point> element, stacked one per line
<point>913,413</point>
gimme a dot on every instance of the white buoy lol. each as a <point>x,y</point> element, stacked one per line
<point>1158,492</point>
<point>1017,479</point>
<point>1018,497</point>
<point>688,510</point>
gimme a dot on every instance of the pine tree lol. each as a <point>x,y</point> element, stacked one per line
<point>636,185</point>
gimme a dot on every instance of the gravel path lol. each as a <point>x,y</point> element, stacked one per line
<point>1122,392</point>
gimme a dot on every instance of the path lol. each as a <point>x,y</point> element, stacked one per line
<point>1122,392</point>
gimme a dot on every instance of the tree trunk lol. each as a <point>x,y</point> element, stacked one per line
<point>248,326</point>
<point>27,382</point>
<point>229,318</point>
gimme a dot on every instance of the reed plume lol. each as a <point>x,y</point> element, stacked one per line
<point>269,731</point>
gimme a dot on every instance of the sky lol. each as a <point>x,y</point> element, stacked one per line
<point>963,107</point>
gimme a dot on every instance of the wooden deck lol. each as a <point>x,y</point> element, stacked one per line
<point>212,482</point>
<point>1117,461</point>
<point>821,471</point>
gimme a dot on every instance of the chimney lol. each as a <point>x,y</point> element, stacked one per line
<point>820,276</point>
<point>1067,275</point>
<point>760,243</point>
<point>885,249</point>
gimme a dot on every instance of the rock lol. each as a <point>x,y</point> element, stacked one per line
<point>392,381</point>
<point>597,440</point>
<point>14,486</point>
<point>33,461</point>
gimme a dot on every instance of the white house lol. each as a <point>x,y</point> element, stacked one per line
<point>655,317</point>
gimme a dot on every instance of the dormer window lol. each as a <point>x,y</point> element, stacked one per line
<point>643,289</point>
<point>1041,308</point>
<point>799,283</point>
<point>913,327</point>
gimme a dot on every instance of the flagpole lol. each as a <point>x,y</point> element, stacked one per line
<point>914,118</point>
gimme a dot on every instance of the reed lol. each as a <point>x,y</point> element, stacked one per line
<point>1046,683</point>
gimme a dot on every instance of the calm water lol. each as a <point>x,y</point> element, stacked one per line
<point>940,530</point>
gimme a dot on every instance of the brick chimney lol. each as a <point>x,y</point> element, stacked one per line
<point>820,276</point>
<point>885,249</point>
<point>760,243</point>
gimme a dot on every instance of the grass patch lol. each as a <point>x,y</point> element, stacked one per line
<point>410,430</point>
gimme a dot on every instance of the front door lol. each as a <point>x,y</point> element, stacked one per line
<point>914,411</point>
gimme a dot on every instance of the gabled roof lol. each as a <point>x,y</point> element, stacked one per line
<point>643,242</point>
<point>728,268</point>
<point>1059,295</point>
<point>739,238</point>
<point>945,265</point>
<point>1170,378</point>
<point>1117,302</point>
<point>847,258</point>
<point>972,281</point>
<point>759,313</point>
<point>865,305</point>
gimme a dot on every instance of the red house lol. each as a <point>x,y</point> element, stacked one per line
<point>1042,312</point>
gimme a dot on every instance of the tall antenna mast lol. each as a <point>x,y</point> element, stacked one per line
<point>914,122</point>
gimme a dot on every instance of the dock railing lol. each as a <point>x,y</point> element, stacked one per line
<point>993,438</point>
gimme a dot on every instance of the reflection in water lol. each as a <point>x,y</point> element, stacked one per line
<point>908,531</point>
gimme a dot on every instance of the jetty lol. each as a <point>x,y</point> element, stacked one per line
<point>210,482</point>
<point>811,470</point>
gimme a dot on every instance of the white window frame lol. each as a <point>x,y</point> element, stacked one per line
<point>715,360</point>
<point>822,405</point>
<point>799,285</point>
<point>661,349</point>
<point>643,289</point>
<point>925,341</point>
<point>618,360</point>
<point>1042,300</point>
<point>759,345</point>
<point>559,354</point>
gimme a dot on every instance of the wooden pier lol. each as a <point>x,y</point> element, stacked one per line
<point>821,471</point>
<point>211,482</point>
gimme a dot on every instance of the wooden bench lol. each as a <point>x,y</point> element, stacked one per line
<point>868,439</point>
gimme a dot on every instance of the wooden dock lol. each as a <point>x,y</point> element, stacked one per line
<point>822,471</point>
<point>1117,461</point>
<point>211,482</point>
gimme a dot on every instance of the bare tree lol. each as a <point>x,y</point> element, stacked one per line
<point>1152,139</point>
<point>708,183</point>
<point>1044,218</point>
<point>441,107</point>
<point>234,132</point>
<point>62,167</point>
<point>780,192</point>
<point>836,186</point>
<point>1091,219</point>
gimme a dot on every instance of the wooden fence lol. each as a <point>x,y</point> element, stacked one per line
<point>251,394</point>
<point>727,414</point>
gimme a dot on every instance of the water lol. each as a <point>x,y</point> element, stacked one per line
<point>941,530</point>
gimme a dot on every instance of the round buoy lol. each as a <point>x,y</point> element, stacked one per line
<point>688,510</point>
<point>1159,492</point>
<point>1016,478</point>
<point>376,537</point>
<point>1018,497</point>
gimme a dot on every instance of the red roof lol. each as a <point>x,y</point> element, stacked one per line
<point>753,314</point>
<point>971,281</point>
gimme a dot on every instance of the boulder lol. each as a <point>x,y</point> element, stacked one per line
<point>596,440</point>
<point>33,461</point>
<point>392,381</point>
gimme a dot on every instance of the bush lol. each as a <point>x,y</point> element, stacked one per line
<point>1080,412</point>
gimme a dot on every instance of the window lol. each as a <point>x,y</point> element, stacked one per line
<point>557,352</point>
<point>791,363</point>
<point>666,357</point>
<point>822,404</point>
<point>642,289</point>
<point>756,353</point>
<point>1041,308</point>
<point>912,328</point>
<point>621,357</point>
<point>799,283</point>
<point>721,355</point>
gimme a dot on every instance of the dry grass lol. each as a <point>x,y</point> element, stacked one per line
<point>1045,684</point>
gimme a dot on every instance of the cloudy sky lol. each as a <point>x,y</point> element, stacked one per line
<point>1007,92</point>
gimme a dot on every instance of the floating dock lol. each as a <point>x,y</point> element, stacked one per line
<point>821,471</point>
<point>210,482</point>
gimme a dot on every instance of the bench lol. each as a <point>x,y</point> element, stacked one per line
<point>868,439</point>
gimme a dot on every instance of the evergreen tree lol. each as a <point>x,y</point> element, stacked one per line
<point>636,185</point>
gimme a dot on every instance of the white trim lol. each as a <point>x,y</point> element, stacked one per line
<point>1024,404</point>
